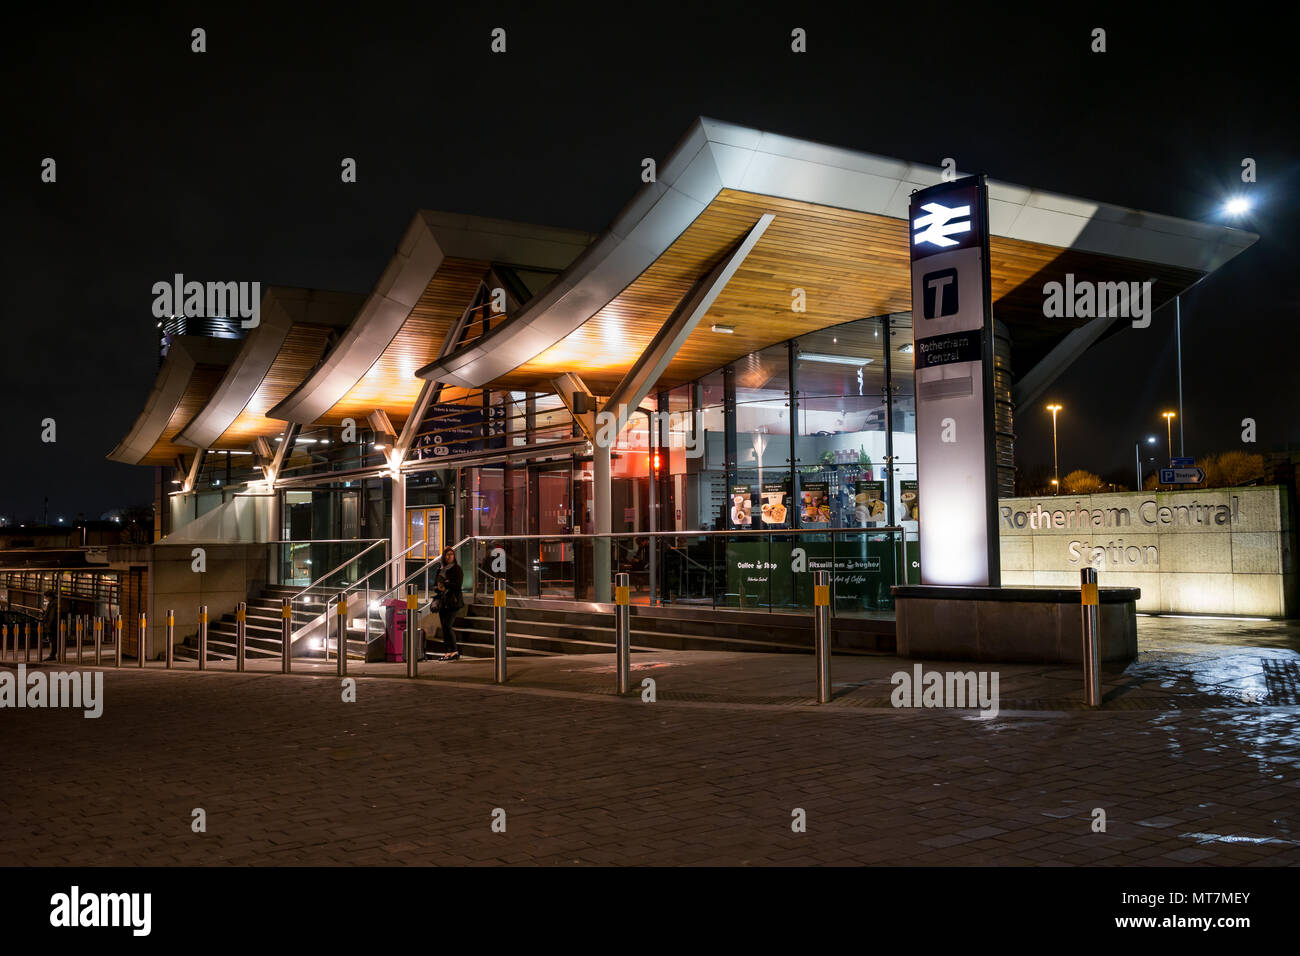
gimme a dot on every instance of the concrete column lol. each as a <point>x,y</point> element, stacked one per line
<point>274,533</point>
<point>602,508</point>
<point>398,542</point>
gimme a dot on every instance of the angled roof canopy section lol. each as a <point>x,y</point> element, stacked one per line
<point>274,359</point>
<point>420,297</point>
<point>190,373</point>
<point>840,233</point>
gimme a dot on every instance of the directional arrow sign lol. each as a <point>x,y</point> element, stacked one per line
<point>1182,463</point>
<point>1181,476</point>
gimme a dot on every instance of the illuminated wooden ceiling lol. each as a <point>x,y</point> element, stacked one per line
<point>203,382</point>
<point>301,350</point>
<point>851,265</point>
<point>391,384</point>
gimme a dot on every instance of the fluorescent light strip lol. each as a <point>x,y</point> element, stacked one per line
<point>834,359</point>
<point>1202,617</point>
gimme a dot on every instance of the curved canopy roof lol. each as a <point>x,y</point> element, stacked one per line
<point>425,290</point>
<point>193,367</point>
<point>275,358</point>
<point>839,233</point>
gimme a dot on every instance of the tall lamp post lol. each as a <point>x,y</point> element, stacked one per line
<point>1234,207</point>
<point>1137,458</point>
<point>1056,471</point>
<point>1169,431</point>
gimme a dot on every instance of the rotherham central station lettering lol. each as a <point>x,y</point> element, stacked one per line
<point>1114,553</point>
<point>1201,551</point>
<point>1149,513</point>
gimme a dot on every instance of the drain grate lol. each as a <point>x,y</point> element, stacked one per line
<point>1282,678</point>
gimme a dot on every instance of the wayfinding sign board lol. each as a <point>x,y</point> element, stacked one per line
<point>952,323</point>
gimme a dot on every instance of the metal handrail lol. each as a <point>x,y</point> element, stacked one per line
<point>377,542</point>
<point>333,600</point>
<point>330,541</point>
<point>689,560</point>
<point>425,567</point>
<point>384,566</point>
<point>880,529</point>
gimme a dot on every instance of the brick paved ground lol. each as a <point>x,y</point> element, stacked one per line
<point>411,772</point>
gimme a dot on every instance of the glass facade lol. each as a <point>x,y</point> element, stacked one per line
<point>816,434</point>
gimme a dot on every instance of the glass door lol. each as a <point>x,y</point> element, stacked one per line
<point>550,515</point>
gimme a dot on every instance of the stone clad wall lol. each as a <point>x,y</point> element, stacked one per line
<point>1219,551</point>
<point>233,571</point>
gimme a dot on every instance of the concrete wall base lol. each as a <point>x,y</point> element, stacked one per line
<point>1012,625</point>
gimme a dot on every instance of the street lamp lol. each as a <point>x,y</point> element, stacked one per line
<point>1237,206</point>
<point>1234,207</point>
<point>1055,468</point>
<point>1169,430</point>
<point>1151,440</point>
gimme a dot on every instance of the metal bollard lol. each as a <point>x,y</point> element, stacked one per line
<point>286,636</point>
<point>62,649</point>
<point>117,640</point>
<point>822,633</point>
<point>343,635</point>
<point>1091,635</point>
<point>408,639</point>
<point>97,632</point>
<point>499,631</point>
<point>142,640</point>
<point>203,637</point>
<point>241,634</point>
<point>171,637</point>
<point>27,644</point>
<point>412,621</point>
<point>81,624</point>
<point>5,629</point>
<point>622,632</point>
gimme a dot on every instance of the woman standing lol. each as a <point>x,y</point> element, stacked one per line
<point>447,585</point>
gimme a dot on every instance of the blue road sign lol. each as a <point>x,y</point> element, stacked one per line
<point>1182,463</point>
<point>1181,476</point>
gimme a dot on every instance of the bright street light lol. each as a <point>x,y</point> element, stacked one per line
<point>1137,458</point>
<point>1055,466</point>
<point>1237,206</point>
<point>1169,429</point>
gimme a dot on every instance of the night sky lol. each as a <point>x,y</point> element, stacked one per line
<point>225,165</point>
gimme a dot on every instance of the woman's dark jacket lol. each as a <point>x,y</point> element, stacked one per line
<point>449,582</point>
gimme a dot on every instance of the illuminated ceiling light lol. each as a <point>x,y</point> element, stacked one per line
<point>725,329</point>
<point>378,446</point>
<point>835,359</point>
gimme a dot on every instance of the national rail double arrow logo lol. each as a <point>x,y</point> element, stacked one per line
<point>939,223</point>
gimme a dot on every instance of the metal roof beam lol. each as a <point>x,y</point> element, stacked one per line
<point>565,386</point>
<point>643,375</point>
